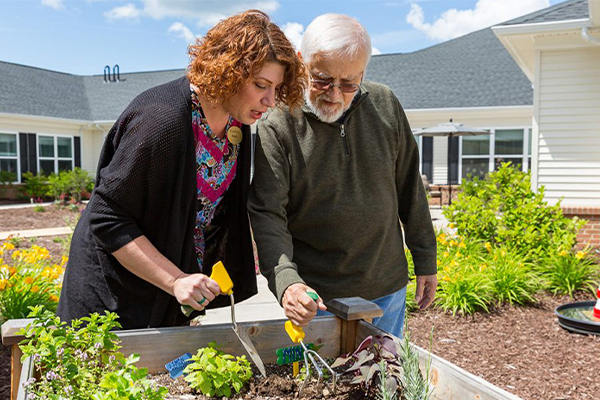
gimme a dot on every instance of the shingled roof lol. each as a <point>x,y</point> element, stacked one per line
<point>569,10</point>
<point>474,70</point>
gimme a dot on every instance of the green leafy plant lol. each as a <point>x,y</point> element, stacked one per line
<point>512,279</point>
<point>81,361</point>
<point>503,210</point>
<point>34,186</point>
<point>214,373</point>
<point>6,180</point>
<point>568,272</point>
<point>366,362</point>
<point>129,383</point>
<point>463,290</point>
<point>70,185</point>
<point>39,208</point>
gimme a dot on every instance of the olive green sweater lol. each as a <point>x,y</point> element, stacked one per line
<point>326,200</point>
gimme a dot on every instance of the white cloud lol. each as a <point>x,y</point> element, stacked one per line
<point>128,11</point>
<point>56,4</point>
<point>182,31</point>
<point>206,12</point>
<point>453,23</point>
<point>375,51</point>
<point>294,32</point>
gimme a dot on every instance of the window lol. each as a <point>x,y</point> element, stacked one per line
<point>8,153</point>
<point>508,147</point>
<point>483,153</point>
<point>55,154</point>
<point>476,155</point>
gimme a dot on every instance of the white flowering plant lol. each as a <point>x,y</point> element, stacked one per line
<point>81,361</point>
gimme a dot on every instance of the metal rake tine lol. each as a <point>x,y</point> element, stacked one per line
<point>333,374</point>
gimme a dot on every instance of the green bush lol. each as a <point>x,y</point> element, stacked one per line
<point>70,185</point>
<point>568,272</point>
<point>511,277</point>
<point>34,186</point>
<point>503,210</point>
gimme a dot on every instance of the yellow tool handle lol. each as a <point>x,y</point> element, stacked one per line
<point>219,274</point>
<point>295,332</point>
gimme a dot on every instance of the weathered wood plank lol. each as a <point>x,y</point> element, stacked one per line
<point>157,347</point>
<point>449,380</point>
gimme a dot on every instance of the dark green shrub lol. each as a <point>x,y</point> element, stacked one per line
<point>71,185</point>
<point>34,186</point>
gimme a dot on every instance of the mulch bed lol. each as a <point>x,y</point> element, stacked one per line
<point>519,349</point>
<point>53,216</point>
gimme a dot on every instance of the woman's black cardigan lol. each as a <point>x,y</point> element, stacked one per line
<point>146,185</point>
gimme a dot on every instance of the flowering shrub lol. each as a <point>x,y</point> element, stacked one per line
<point>82,361</point>
<point>28,277</point>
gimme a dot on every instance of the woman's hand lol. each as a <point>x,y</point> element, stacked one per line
<point>195,290</point>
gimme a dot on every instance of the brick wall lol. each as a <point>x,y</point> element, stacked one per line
<point>590,233</point>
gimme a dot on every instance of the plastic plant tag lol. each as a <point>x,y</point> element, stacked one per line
<point>177,366</point>
<point>288,355</point>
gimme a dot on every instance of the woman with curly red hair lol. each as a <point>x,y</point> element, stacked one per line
<point>172,181</point>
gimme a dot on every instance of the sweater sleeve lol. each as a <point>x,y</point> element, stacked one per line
<point>413,208</point>
<point>139,156</point>
<point>267,203</point>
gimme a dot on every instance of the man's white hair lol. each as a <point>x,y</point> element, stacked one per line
<point>336,35</point>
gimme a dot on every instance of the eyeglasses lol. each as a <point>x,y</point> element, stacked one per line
<point>328,85</point>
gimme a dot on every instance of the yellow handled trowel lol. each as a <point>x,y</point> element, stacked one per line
<point>220,275</point>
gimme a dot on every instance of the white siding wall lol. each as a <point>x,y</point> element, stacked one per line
<point>567,112</point>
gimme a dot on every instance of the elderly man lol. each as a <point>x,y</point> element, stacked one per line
<point>332,183</point>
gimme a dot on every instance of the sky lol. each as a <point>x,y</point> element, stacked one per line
<point>81,37</point>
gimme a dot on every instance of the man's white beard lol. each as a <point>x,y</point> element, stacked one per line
<point>321,113</point>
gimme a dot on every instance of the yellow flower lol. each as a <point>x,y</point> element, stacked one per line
<point>3,283</point>
<point>579,255</point>
<point>28,280</point>
<point>438,263</point>
<point>35,289</point>
<point>488,246</point>
<point>12,271</point>
<point>462,245</point>
<point>64,260</point>
<point>563,253</point>
<point>453,242</point>
<point>446,254</point>
<point>53,297</point>
<point>8,246</point>
<point>446,278</point>
<point>452,225</point>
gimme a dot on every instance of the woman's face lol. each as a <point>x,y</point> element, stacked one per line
<point>257,95</point>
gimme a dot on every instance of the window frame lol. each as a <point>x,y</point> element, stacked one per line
<point>17,157</point>
<point>56,158</point>
<point>525,156</point>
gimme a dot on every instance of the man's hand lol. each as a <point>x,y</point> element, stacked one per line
<point>298,306</point>
<point>426,286</point>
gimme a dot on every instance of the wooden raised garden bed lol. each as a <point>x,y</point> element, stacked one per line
<point>339,334</point>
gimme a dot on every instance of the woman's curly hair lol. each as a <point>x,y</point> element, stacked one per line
<point>237,48</point>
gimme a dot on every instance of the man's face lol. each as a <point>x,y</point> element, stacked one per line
<point>330,104</point>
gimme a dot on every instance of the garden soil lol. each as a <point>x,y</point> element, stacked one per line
<point>520,349</point>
